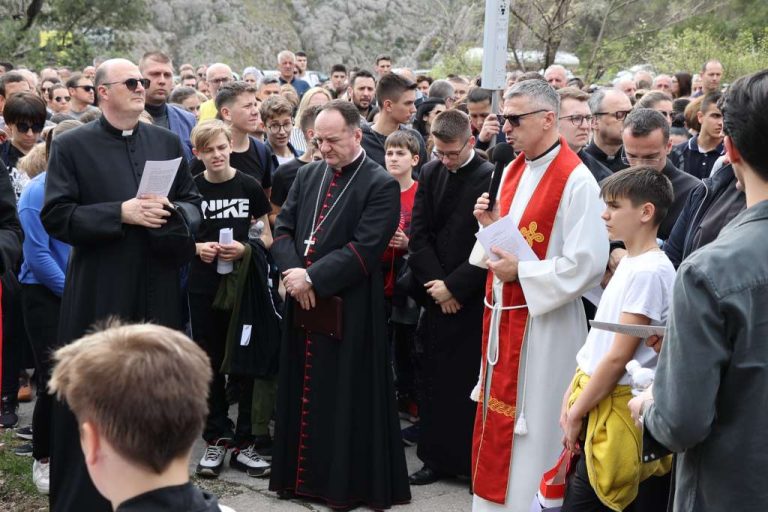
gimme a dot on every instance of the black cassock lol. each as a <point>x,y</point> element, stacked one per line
<point>337,436</point>
<point>114,268</point>
<point>442,236</point>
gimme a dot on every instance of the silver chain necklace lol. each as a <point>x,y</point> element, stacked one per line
<point>309,242</point>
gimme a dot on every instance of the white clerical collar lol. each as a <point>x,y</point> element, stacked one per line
<point>466,162</point>
<point>544,160</point>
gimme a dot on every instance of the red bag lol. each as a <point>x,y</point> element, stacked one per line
<point>551,492</point>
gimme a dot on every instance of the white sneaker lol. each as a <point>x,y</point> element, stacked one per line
<point>250,461</point>
<point>213,459</point>
<point>41,476</point>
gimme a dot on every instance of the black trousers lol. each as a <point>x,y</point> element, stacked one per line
<point>14,338</point>
<point>652,495</point>
<point>209,330</point>
<point>41,319</point>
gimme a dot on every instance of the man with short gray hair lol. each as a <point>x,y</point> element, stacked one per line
<point>556,76</point>
<point>534,319</point>
<point>442,89</point>
<point>286,63</point>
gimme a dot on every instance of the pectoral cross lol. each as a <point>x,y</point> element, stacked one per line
<point>309,242</point>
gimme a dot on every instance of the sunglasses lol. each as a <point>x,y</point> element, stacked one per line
<point>25,127</point>
<point>86,88</point>
<point>132,83</point>
<point>62,98</point>
<point>514,119</point>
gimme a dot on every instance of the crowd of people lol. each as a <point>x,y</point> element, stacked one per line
<point>324,245</point>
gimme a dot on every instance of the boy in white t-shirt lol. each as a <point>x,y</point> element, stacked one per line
<point>595,416</point>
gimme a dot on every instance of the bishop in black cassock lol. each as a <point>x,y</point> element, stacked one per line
<point>115,269</point>
<point>442,236</point>
<point>337,436</point>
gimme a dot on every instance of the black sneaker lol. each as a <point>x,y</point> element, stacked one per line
<point>410,435</point>
<point>8,416</point>
<point>263,445</point>
<point>24,433</point>
<point>24,450</point>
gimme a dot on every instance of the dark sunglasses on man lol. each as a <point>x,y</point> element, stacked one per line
<point>62,98</point>
<point>514,119</point>
<point>86,88</point>
<point>132,83</point>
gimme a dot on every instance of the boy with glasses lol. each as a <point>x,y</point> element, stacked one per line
<point>277,116</point>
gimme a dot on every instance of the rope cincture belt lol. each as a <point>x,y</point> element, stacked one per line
<point>492,357</point>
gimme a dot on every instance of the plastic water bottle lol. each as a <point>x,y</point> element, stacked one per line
<point>256,229</point>
<point>641,378</point>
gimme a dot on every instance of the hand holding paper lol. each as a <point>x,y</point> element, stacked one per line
<point>158,177</point>
<point>505,235</point>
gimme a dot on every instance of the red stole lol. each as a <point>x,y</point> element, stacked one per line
<point>492,439</point>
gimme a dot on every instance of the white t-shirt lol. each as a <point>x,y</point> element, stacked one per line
<point>641,285</point>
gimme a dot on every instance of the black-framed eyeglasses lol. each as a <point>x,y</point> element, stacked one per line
<point>619,114</point>
<point>577,119</point>
<point>62,98</point>
<point>25,127</point>
<point>86,88</point>
<point>514,119</point>
<point>450,154</point>
<point>132,83</point>
<point>643,160</point>
<point>276,128</point>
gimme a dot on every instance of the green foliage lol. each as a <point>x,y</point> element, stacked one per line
<point>744,53</point>
<point>73,32</point>
<point>458,63</point>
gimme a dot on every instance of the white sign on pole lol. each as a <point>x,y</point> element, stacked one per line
<point>495,44</point>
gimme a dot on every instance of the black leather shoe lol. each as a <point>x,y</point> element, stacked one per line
<point>425,476</point>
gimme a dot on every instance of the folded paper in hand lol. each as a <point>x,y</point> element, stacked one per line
<point>640,331</point>
<point>504,234</point>
<point>158,177</point>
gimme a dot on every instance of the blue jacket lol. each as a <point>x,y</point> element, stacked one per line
<point>181,123</point>
<point>45,258</point>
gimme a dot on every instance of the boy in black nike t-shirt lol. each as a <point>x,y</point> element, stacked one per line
<point>231,199</point>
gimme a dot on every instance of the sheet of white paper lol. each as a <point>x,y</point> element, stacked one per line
<point>225,238</point>
<point>505,235</point>
<point>641,331</point>
<point>594,295</point>
<point>158,177</point>
<point>245,337</point>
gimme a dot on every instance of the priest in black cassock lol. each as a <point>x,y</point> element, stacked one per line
<point>126,251</point>
<point>337,436</point>
<point>451,290</point>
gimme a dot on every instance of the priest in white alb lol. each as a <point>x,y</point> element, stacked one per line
<point>534,319</point>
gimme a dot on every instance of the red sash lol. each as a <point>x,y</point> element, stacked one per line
<point>492,439</point>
